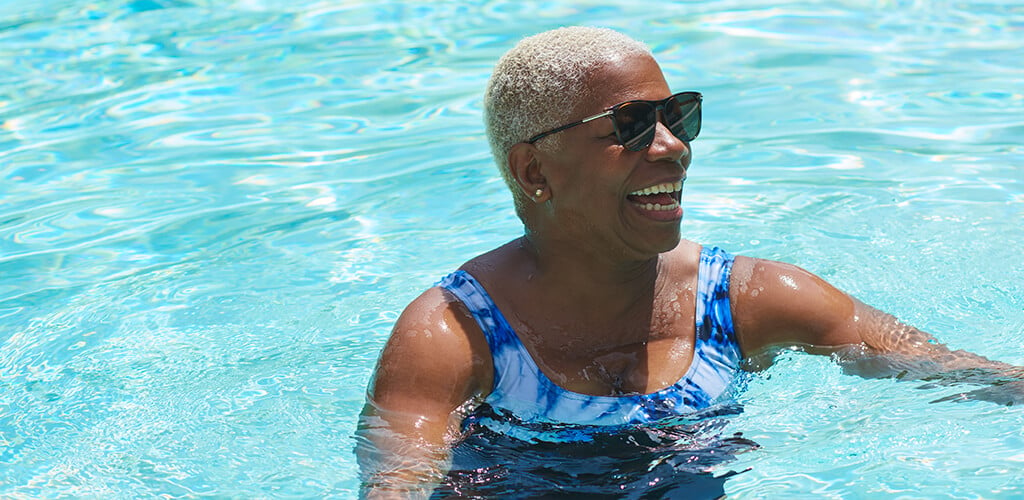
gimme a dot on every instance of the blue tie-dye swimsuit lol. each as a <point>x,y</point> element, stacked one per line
<point>523,391</point>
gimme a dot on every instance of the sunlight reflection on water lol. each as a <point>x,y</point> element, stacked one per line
<point>212,212</point>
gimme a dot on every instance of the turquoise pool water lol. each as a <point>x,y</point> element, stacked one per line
<point>212,211</point>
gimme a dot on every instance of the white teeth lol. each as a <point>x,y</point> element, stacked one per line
<point>668,187</point>
<point>659,207</point>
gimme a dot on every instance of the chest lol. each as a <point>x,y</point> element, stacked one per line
<point>639,353</point>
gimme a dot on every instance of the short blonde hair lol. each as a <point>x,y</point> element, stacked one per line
<point>537,84</point>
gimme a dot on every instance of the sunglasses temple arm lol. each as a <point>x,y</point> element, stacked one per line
<point>568,126</point>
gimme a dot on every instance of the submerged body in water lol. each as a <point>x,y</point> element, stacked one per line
<point>670,458</point>
<point>530,437</point>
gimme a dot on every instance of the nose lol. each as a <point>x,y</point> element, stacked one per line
<point>667,147</point>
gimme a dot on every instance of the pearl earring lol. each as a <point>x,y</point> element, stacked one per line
<point>538,192</point>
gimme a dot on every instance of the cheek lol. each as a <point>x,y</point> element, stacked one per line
<point>595,171</point>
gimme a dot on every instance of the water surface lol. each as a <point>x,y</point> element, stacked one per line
<point>212,212</point>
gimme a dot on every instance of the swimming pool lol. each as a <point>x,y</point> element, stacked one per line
<point>212,211</point>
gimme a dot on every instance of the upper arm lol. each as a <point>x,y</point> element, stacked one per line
<point>435,361</point>
<point>781,304</point>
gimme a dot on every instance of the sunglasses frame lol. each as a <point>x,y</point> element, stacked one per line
<point>658,105</point>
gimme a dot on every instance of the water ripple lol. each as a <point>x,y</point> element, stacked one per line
<point>212,212</point>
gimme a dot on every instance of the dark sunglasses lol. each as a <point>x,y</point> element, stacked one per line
<point>635,121</point>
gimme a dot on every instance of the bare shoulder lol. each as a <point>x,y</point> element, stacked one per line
<point>775,303</point>
<point>436,357</point>
<point>771,274</point>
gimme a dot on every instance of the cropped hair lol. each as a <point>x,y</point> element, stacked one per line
<point>537,85</point>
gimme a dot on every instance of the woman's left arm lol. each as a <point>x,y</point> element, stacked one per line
<point>780,305</point>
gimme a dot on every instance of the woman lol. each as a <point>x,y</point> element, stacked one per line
<point>600,314</point>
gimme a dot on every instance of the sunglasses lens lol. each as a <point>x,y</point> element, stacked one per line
<point>635,122</point>
<point>682,114</point>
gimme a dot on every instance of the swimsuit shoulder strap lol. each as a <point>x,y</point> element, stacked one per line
<point>506,349</point>
<point>716,354</point>
<point>714,311</point>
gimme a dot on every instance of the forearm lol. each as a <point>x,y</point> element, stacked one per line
<point>893,349</point>
<point>935,363</point>
<point>919,352</point>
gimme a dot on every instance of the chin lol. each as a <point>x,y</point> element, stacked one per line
<point>669,246</point>
<point>666,243</point>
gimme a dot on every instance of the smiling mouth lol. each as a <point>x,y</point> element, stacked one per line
<point>662,197</point>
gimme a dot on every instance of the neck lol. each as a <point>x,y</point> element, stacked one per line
<point>598,280</point>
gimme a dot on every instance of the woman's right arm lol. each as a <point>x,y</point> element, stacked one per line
<point>435,363</point>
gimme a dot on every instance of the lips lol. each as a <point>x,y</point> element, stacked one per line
<point>661,197</point>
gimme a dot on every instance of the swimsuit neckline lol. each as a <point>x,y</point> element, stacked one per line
<point>499,318</point>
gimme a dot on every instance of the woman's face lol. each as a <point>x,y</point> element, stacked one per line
<point>596,184</point>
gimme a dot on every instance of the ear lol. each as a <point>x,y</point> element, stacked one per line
<point>524,163</point>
